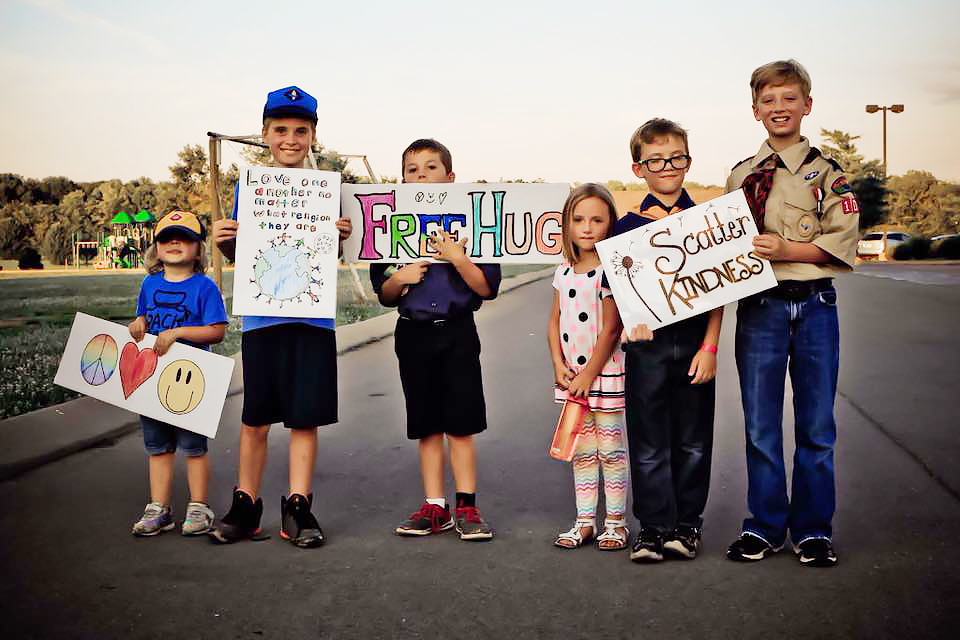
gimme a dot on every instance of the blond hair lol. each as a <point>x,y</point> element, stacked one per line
<point>578,195</point>
<point>151,262</point>
<point>651,131</point>
<point>778,74</point>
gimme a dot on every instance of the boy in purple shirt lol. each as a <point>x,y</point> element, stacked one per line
<point>438,350</point>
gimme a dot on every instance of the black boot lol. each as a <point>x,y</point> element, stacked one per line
<point>297,524</point>
<point>242,522</point>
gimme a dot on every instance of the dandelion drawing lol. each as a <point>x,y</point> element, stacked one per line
<point>625,265</point>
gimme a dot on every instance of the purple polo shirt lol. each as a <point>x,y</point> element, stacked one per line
<point>442,293</point>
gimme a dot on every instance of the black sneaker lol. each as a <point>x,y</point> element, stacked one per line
<point>750,547</point>
<point>648,547</point>
<point>428,519</point>
<point>297,523</point>
<point>242,522</point>
<point>816,552</point>
<point>683,542</point>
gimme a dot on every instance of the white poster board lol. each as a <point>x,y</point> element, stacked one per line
<point>515,223</point>
<point>185,387</point>
<point>286,259</point>
<point>685,264</point>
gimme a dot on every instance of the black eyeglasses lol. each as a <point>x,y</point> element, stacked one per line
<point>656,165</point>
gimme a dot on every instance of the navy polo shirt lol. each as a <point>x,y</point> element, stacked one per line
<point>634,220</point>
<point>442,293</point>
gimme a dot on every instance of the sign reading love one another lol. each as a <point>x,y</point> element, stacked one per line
<point>185,387</point>
<point>685,264</point>
<point>505,223</point>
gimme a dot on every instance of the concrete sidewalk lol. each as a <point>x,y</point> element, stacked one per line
<point>37,438</point>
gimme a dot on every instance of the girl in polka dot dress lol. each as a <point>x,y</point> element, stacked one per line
<point>584,333</point>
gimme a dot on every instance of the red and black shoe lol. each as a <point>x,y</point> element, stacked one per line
<point>297,524</point>
<point>242,521</point>
<point>429,519</point>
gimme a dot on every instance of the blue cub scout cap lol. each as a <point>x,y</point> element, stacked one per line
<point>291,102</point>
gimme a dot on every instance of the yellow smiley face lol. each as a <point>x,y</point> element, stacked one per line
<point>180,387</point>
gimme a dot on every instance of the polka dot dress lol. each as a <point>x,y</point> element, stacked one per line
<point>581,319</point>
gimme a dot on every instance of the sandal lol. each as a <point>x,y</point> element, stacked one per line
<point>573,539</point>
<point>612,528</point>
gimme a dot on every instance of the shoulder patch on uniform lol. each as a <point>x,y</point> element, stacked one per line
<point>840,186</point>
<point>850,205</point>
<point>809,176</point>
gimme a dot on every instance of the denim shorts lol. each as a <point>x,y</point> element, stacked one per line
<point>160,438</point>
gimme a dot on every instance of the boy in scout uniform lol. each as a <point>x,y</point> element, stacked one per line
<point>807,217</point>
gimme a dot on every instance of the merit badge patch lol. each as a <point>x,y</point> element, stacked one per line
<point>850,205</point>
<point>840,186</point>
<point>811,175</point>
<point>805,226</point>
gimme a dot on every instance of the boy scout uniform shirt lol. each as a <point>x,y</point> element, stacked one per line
<point>809,201</point>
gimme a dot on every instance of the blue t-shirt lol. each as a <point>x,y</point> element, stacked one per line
<point>442,294</point>
<point>195,302</point>
<point>249,323</point>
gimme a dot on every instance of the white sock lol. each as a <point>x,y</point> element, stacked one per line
<point>440,502</point>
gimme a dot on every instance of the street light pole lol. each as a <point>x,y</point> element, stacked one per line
<point>896,108</point>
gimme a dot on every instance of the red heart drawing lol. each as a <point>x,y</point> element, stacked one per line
<point>136,367</point>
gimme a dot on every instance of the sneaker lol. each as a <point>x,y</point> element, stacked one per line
<point>156,519</point>
<point>429,519</point>
<point>684,542</point>
<point>199,519</point>
<point>242,522</point>
<point>750,547</point>
<point>297,523</point>
<point>648,547</point>
<point>471,525</point>
<point>816,552</point>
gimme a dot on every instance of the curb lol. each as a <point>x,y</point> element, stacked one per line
<point>37,438</point>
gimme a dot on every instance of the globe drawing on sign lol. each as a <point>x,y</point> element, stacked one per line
<point>287,273</point>
<point>99,360</point>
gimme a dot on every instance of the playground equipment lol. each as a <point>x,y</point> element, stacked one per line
<point>123,248</point>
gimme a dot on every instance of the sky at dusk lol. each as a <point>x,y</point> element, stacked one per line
<point>551,90</point>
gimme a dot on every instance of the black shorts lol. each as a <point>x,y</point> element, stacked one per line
<point>440,372</point>
<point>289,376</point>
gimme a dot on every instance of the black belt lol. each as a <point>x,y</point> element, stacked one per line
<point>438,322</point>
<point>799,290</point>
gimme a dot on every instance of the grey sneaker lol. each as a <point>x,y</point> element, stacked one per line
<point>156,519</point>
<point>470,525</point>
<point>199,519</point>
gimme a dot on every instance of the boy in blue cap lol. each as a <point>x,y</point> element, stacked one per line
<point>289,364</point>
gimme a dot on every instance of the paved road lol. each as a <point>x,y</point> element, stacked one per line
<point>70,570</point>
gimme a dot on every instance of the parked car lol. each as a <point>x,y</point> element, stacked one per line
<point>945,247</point>
<point>879,245</point>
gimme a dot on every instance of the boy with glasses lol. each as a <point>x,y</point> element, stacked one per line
<point>669,377</point>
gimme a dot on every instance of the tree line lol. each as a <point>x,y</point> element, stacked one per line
<point>46,215</point>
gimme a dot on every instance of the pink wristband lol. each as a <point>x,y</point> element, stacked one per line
<point>709,348</point>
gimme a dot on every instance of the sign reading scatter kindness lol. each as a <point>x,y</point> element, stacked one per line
<point>685,264</point>
<point>286,259</point>
<point>503,223</point>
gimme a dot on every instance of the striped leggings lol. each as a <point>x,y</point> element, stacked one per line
<point>603,444</point>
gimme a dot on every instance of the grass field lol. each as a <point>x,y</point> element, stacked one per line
<point>36,314</point>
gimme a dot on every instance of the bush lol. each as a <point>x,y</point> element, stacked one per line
<point>947,249</point>
<point>30,259</point>
<point>917,248</point>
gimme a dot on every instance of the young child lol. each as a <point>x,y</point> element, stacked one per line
<point>177,303</point>
<point>289,364</point>
<point>669,377</point>
<point>439,355</point>
<point>808,220</point>
<point>584,333</point>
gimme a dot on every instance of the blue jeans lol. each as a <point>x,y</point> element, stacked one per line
<point>160,438</point>
<point>772,335</point>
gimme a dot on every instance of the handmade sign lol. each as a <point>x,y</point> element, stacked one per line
<point>286,259</point>
<point>185,387</point>
<point>505,223</point>
<point>685,264</point>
